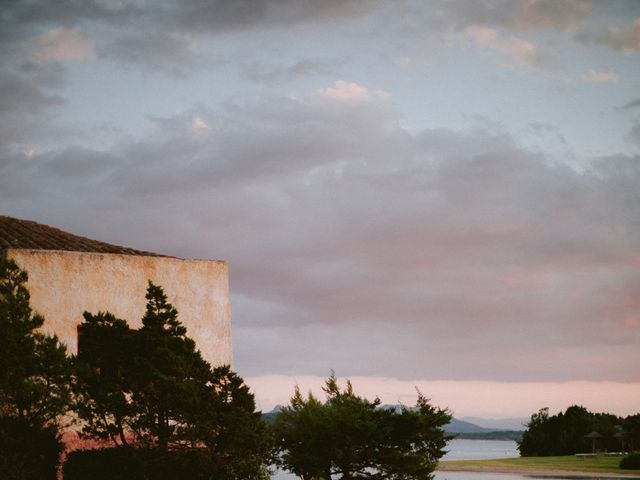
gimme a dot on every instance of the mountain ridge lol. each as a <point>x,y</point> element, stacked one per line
<point>457,427</point>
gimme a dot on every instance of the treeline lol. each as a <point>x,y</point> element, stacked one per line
<point>578,430</point>
<point>159,411</point>
<point>515,435</point>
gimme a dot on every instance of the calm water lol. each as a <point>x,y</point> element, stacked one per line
<point>469,450</point>
<point>480,449</point>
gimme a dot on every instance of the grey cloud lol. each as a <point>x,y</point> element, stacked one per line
<point>18,95</point>
<point>47,75</point>
<point>270,73</point>
<point>161,29</point>
<point>634,134</point>
<point>15,15</point>
<point>626,40</point>
<point>25,113</point>
<point>630,105</point>
<point>156,51</point>
<point>221,15</point>
<point>355,245</point>
<point>186,15</point>
<point>306,137</point>
<point>519,15</point>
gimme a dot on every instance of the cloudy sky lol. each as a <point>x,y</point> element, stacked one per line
<point>443,194</point>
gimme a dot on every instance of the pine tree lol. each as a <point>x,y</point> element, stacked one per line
<point>35,378</point>
<point>351,437</point>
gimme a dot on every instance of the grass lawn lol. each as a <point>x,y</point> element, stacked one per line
<point>599,464</point>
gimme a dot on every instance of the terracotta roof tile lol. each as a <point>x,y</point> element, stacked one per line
<point>25,234</point>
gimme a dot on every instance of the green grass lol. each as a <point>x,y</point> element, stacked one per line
<point>599,464</point>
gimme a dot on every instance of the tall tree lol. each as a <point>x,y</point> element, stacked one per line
<point>34,369</point>
<point>102,383</point>
<point>226,423</point>
<point>352,437</point>
<point>167,371</point>
<point>34,384</point>
<point>567,432</point>
<point>151,387</point>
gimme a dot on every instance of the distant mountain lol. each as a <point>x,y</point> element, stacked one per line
<point>515,435</point>
<point>498,423</point>
<point>462,428</point>
<point>270,417</point>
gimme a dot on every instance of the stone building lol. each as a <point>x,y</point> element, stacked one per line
<point>69,274</point>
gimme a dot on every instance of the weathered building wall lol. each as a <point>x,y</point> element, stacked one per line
<point>64,284</point>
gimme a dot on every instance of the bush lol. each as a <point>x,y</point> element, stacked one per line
<point>631,462</point>
<point>172,465</point>
<point>130,464</point>
<point>28,452</point>
<point>104,464</point>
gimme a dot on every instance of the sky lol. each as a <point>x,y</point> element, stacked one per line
<point>442,195</point>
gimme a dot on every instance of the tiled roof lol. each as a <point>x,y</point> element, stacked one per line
<point>25,234</point>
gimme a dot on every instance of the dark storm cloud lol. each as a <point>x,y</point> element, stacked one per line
<point>350,238</point>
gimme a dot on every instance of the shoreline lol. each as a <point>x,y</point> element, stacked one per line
<point>443,467</point>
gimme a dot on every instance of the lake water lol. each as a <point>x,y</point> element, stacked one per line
<point>480,449</point>
<point>470,450</point>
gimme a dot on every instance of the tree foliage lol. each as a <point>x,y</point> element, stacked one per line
<point>351,437</point>
<point>150,388</point>
<point>168,375</point>
<point>34,384</point>
<point>34,368</point>
<point>102,384</point>
<point>567,432</point>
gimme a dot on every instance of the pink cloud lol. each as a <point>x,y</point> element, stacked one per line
<point>545,14</point>
<point>465,398</point>
<point>600,77</point>
<point>627,40</point>
<point>511,48</point>
<point>62,44</point>
<point>344,92</point>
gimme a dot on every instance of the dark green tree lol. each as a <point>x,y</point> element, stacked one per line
<point>167,374</point>
<point>226,423</point>
<point>351,437</point>
<point>102,383</point>
<point>413,441</point>
<point>631,430</point>
<point>567,432</point>
<point>303,438</point>
<point>34,383</point>
<point>150,388</point>
<point>535,440</point>
<point>34,368</point>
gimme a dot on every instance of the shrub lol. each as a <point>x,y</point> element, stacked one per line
<point>175,464</point>
<point>631,462</point>
<point>28,452</point>
<point>104,464</point>
<point>131,464</point>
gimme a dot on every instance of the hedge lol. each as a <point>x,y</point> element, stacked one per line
<point>631,462</point>
<point>130,464</point>
<point>28,452</point>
